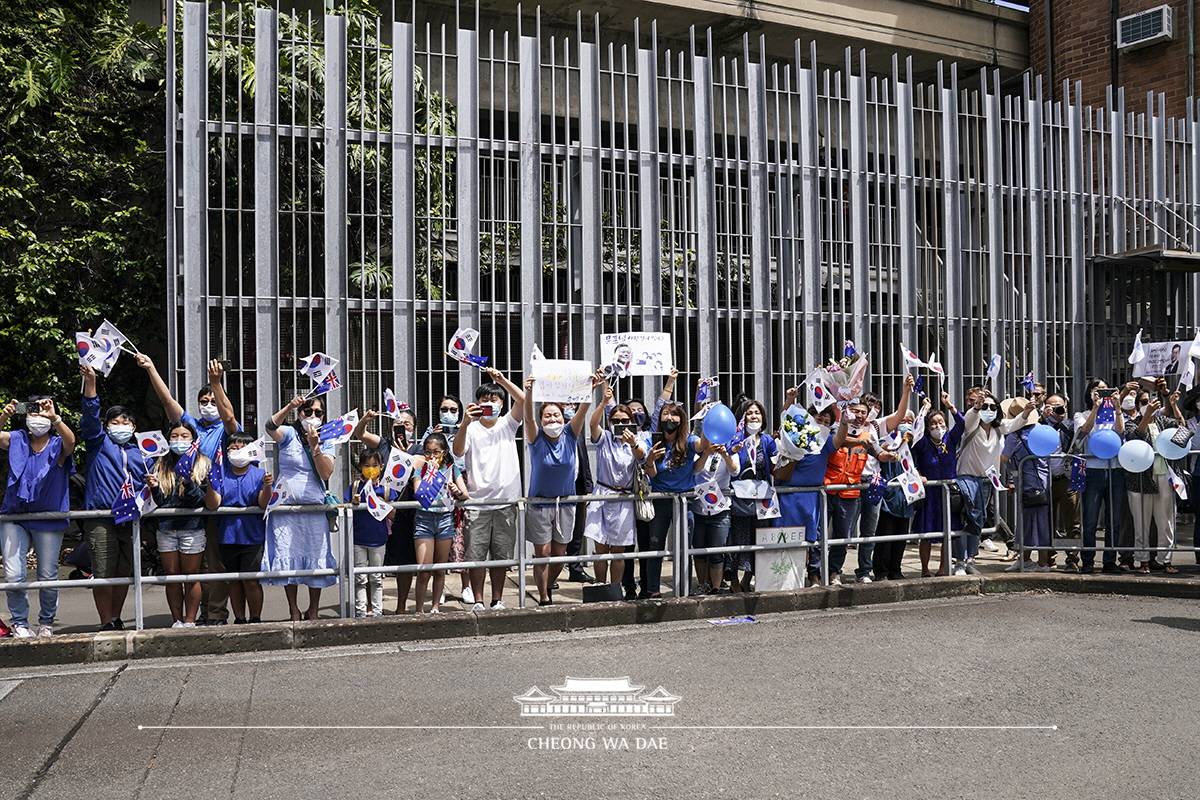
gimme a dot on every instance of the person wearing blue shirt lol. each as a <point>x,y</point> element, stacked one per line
<point>244,484</point>
<point>216,421</point>
<point>39,466</point>
<point>112,459</point>
<point>553,465</point>
<point>669,467</point>
<point>806,468</point>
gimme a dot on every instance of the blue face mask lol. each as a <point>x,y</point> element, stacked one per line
<point>568,413</point>
<point>179,448</point>
<point>448,417</point>
<point>120,433</point>
<point>904,428</point>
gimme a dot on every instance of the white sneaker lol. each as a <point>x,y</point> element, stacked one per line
<point>178,623</point>
<point>835,580</point>
<point>435,611</point>
<point>45,631</point>
<point>477,607</point>
<point>865,579</point>
<point>468,596</point>
<point>960,570</point>
<point>989,545</point>
<point>188,625</point>
<point>22,632</point>
<point>498,605</point>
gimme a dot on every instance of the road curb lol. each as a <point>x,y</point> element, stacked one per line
<point>118,646</point>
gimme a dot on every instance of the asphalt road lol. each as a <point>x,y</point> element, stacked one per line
<point>1077,696</point>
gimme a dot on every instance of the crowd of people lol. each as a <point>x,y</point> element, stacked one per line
<point>610,447</point>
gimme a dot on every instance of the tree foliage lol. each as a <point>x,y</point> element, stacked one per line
<point>81,191</point>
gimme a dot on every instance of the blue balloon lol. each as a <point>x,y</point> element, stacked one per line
<point>719,424</point>
<point>1104,444</point>
<point>1043,440</point>
<point>1167,448</point>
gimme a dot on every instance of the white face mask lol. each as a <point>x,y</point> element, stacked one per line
<point>120,433</point>
<point>1129,403</point>
<point>497,406</point>
<point>239,458</point>
<point>311,423</point>
<point>753,427</point>
<point>553,430</point>
<point>208,412</point>
<point>987,416</point>
<point>37,426</point>
<point>179,447</point>
<point>448,417</point>
<point>937,433</point>
<point>872,414</point>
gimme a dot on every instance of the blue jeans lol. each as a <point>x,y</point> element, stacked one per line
<point>15,540</point>
<point>977,495</point>
<point>868,522</point>
<point>843,514</point>
<point>1105,487</point>
<point>712,531</point>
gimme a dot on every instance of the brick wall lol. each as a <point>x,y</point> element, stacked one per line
<point>1083,42</point>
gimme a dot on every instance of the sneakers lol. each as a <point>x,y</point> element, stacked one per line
<point>22,632</point>
<point>44,632</point>
<point>970,568</point>
<point>498,606</point>
<point>177,623</point>
<point>865,579</point>
<point>435,611</point>
<point>835,579</point>
<point>188,625</point>
<point>989,545</point>
<point>959,570</point>
<point>477,607</point>
<point>468,596</point>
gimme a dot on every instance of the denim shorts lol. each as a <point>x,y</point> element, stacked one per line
<point>438,525</point>
<point>187,542</point>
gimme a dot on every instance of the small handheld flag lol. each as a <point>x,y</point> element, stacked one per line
<point>712,499</point>
<point>914,488</point>
<point>768,507</point>
<point>911,359</point>
<point>317,366</point>
<point>376,505</point>
<point>1078,474</point>
<point>256,450</point>
<point>327,384</point>
<point>125,507</point>
<point>109,334</point>
<point>152,444</point>
<point>1194,349</point>
<point>399,469</point>
<point>390,405</point>
<point>1178,485</point>
<point>338,431</point>
<point>819,397</point>
<point>704,390</point>
<point>279,496</point>
<point>876,489</point>
<point>935,366</point>
<point>98,354</point>
<point>145,501</point>
<point>183,467</point>
<point>1138,355</point>
<point>919,387</point>
<point>993,475</point>
<point>1028,382</point>
<point>1188,377</point>
<point>460,346</point>
<point>848,349</point>
<point>432,482</point>
<point>993,367</point>
<point>1106,417</point>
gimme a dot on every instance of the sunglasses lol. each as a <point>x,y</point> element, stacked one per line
<point>989,406</point>
<point>1058,409</point>
<point>312,412</point>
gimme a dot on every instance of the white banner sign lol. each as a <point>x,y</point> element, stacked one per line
<point>1162,358</point>
<point>779,570</point>
<point>562,381</point>
<point>637,353</point>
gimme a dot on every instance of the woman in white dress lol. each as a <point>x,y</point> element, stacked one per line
<point>611,524</point>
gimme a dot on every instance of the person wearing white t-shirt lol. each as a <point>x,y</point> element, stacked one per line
<point>487,440</point>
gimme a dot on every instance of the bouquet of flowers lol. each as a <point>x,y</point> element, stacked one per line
<point>799,434</point>
<point>839,381</point>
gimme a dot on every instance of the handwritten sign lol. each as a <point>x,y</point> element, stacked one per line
<point>637,353</point>
<point>562,380</point>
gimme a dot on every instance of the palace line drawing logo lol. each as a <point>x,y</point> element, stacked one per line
<point>601,697</point>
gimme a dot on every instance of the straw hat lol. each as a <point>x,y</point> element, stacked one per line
<point>1014,407</point>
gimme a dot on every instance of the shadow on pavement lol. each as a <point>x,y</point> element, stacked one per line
<point>1179,623</point>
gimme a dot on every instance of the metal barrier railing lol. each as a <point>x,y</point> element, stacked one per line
<point>678,547</point>
<point>1113,528</point>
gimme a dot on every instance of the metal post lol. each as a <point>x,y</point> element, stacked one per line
<point>649,213</point>
<point>706,205</point>
<point>266,212</point>
<point>824,533</point>
<point>530,189</point>
<point>346,578</point>
<point>860,235</point>
<point>682,567</point>
<point>995,224</point>
<point>336,254</point>
<point>760,228</point>
<point>1080,346</point>
<point>947,540</point>
<point>195,197</point>
<point>467,187</point>
<point>1019,519</point>
<point>906,205</point>
<point>1035,181</point>
<point>521,546</point>
<point>590,181</point>
<point>810,226</point>
<point>952,201</point>
<point>138,607</point>
<point>404,317</point>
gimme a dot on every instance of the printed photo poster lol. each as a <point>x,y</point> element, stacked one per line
<point>780,570</point>
<point>637,353</point>
<point>1162,358</point>
<point>561,380</point>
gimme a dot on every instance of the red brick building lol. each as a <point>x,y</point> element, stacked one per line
<point>1075,40</point>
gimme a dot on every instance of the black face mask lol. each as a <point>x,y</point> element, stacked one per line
<point>670,426</point>
<point>640,417</point>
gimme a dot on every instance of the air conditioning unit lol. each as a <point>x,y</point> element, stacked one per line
<point>1144,28</point>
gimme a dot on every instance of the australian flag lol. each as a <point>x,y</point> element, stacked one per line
<point>183,467</point>
<point>849,350</point>
<point>919,387</point>
<point>1106,417</point>
<point>125,508</point>
<point>432,483</point>
<point>876,490</point>
<point>216,475</point>
<point>1028,382</point>
<point>1078,475</point>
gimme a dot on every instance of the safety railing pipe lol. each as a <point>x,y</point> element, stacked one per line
<point>683,569</point>
<point>138,615</point>
<point>521,555</point>
<point>824,539</point>
<point>947,554</point>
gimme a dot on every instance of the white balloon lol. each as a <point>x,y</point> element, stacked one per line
<point>1167,448</point>
<point>1136,456</point>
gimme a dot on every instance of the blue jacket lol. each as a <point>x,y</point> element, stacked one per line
<point>106,460</point>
